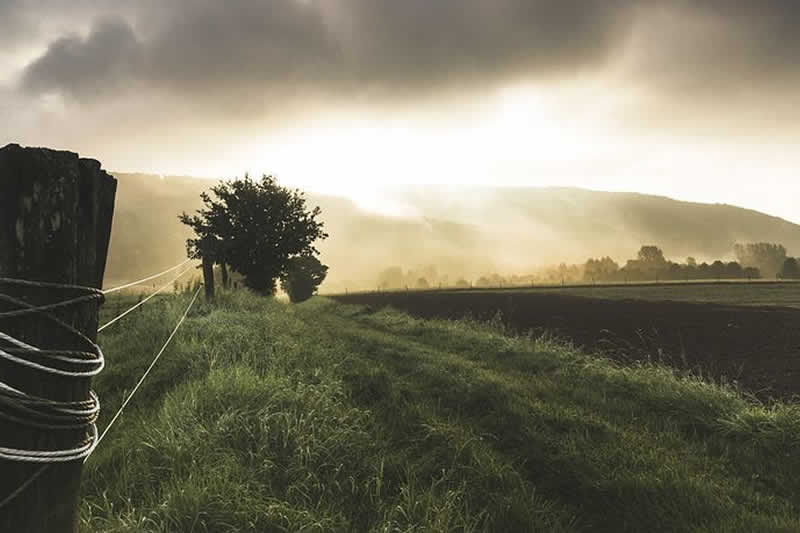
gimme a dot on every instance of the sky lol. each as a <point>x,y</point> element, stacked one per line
<point>696,100</point>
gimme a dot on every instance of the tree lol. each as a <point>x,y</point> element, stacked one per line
<point>302,277</point>
<point>483,282</point>
<point>600,269</point>
<point>733,270</point>
<point>790,269</point>
<point>718,269</point>
<point>767,257</point>
<point>256,227</point>
<point>752,273</point>
<point>676,271</point>
<point>651,257</point>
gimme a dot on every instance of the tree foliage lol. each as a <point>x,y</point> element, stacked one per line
<point>598,269</point>
<point>256,227</point>
<point>651,256</point>
<point>302,277</point>
<point>395,277</point>
<point>790,269</point>
<point>767,257</point>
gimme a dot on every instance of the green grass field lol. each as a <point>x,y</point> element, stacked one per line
<point>322,417</point>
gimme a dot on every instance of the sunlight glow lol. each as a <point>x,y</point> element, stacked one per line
<point>573,135</point>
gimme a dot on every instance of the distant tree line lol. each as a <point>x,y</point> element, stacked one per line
<point>651,265</point>
<point>753,261</point>
<point>395,277</point>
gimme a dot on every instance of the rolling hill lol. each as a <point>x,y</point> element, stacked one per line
<point>464,232</point>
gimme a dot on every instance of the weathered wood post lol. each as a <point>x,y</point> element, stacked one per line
<point>55,225</point>
<point>208,277</point>
<point>208,248</point>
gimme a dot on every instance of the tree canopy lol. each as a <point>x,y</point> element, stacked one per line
<point>767,257</point>
<point>790,269</point>
<point>302,277</point>
<point>256,227</point>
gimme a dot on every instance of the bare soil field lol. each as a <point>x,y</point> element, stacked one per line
<point>755,347</point>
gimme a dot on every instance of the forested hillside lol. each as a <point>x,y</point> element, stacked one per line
<point>464,234</point>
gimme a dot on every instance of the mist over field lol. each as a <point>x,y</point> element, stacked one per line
<point>447,233</point>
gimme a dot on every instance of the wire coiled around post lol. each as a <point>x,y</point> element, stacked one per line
<point>25,409</point>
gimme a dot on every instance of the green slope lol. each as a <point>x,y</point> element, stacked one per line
<point>323,417</point>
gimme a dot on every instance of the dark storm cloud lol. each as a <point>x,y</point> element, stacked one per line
<point>210,42</point>
<point>14,24</point>
<point>433,41</point>
<point>190,46</point>
<point>718,44</point>
<point>23,22</point>
<point>203,46</point>
<point>108,57</point>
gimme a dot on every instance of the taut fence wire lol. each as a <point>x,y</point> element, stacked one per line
<point>145,280</point>
<point>29,410</point>
<point>149,368</point>
<point>145,300</point>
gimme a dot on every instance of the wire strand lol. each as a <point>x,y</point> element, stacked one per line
<point>144,376</point>
<point>17,342</point>
<point>47,285</point>
<point>160,289</point>
<point>139,282</point>
<point>52,456</point>
<point>24,486</point>
<point>31,310</point>
<point>100,362</point>
<point>28,410</point>
<point>51,317</point>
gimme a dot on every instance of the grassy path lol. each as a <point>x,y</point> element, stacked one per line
<point>323,417</point>
<point>603,443</point>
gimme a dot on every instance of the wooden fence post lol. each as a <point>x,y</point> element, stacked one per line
<point>55,225</point>
<point>208,277</point>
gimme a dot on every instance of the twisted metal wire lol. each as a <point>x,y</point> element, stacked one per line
<point>29,410</point>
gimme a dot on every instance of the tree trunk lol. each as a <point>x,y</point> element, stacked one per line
<point>225,278</point>
<point>208,278</point>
